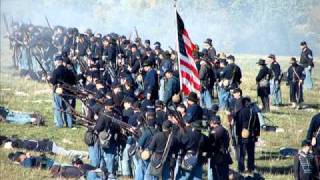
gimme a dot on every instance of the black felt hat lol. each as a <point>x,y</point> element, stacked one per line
<point>193,97</point>
<point>261,62</point>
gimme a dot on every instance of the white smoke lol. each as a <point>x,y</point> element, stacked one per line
<point>237,26</point>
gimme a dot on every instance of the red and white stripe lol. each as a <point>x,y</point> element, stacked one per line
<point>189,76</point>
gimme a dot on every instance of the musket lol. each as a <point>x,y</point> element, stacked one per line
<point>42,68</point>
<point>79,93</point>
<point>127,127</point>
<point>75,113</point>
<point>6,23</point>
<point>82,64</point>
<point>129,38</point>
<point>177,116</point>
<point>48,24</point>
<point>172,50</point>
<point>136,31</point>
<point>75,91</point>
<point>110,72</point>
<point>137,35</point>
<point>232,131</point>
<point>79,118</point>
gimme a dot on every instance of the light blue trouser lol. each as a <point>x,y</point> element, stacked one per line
<point>260,115</point>
<point>92,175</point>
<point>67,116</point>
<point>35,65</point>
<point>165,173</point>
<point>141,169</point>
<point>58,106</point>
<point>176,167</point>
<point>223,96</point>
<point>70,153</point>
<point>194,174</point>
<point>206,99</point>
<point>18,117</point>
<point>95,155</point>
<point>61,109</point>
<point>108,156</point>
<point>126,165</point>
<point>210,175</point>
<point>161,90</point>
<point>308,84</point>
<point>78,68</point>
<point>23,62</point>
<point>261,119</point>
<point>135,161</point>
<point>275,93</point>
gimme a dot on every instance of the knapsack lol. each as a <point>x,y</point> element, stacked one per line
<point>104,139</point>
<point>90,137</point>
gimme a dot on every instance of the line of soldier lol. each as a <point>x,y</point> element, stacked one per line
<point>117,78</point>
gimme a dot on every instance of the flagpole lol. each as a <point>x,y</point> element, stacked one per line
<point>177,45</point>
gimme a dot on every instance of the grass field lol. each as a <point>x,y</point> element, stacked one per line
<point>25,95</point>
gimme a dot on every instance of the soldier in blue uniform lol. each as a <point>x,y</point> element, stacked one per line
<point>248,131</point>
<point>171,87</point>
<point>209,47</point>
<point>313,136</point>
<point>150,81</point>
<point>194,111</point>
<point>306,60</point>
<point>107,133</point>
<point>61,75</point>
<point>275,89</point>
<point>295,79</point>
<point>207,79</point>
<point>263,84</point>
<point>219,155</point>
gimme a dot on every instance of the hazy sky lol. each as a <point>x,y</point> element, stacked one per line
<point>252,31</point>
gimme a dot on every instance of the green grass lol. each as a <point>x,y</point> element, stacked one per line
<point>294,123</point>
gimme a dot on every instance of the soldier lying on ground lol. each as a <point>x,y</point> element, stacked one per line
<point>16,117</point>
<point>28,161</point>
<point>77,170</point>
<point>44,145</point>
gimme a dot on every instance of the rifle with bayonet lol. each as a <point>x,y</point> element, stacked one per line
<point>48,24</point>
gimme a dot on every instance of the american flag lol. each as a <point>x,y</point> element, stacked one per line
<point>189,76</point>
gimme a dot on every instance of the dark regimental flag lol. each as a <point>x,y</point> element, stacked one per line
<point>189,75</point>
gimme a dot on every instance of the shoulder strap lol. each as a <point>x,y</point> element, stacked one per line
<point>233,73</point>
<point>250,118</point>
<point>198,148</point>
<point>295,72</point>
<point>318,131</point>
<point>166,150</point>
